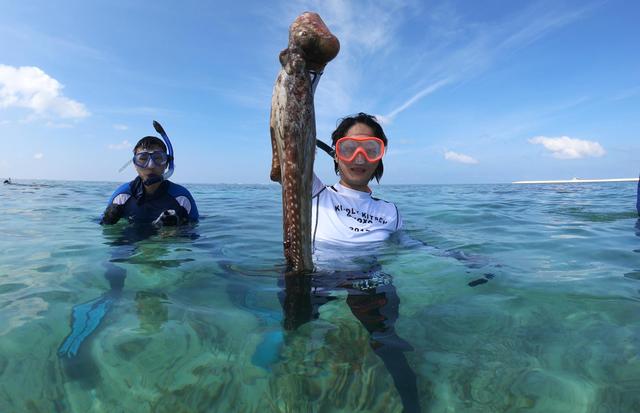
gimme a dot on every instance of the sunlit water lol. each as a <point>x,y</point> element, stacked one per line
<point>557,328</point>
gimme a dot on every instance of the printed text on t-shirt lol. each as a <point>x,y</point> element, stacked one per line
<point>360,217</point>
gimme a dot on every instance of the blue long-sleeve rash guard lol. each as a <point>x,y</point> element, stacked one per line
<point>130,201</point>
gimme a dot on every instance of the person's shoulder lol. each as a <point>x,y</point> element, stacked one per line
<point>184,198</point>
<point>390,208</point>
<point>176,190</point>
<point>123,191</point>
<point>125,188</point>
<point>384,202</point>
<point>317,186</point>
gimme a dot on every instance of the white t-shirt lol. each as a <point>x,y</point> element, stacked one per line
<point>341,215</point>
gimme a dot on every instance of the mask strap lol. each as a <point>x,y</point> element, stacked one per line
<point>123,167</point>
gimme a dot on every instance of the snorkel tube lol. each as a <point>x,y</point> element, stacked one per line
<point>328,149</point>
<point>167,141</point>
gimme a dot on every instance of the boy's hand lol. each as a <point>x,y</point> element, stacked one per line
<point>167,218</point>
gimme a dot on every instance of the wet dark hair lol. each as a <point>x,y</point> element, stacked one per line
<point>346,123</point>
<point>149,142</point>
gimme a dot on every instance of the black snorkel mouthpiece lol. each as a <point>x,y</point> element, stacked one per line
<point>153,179</point>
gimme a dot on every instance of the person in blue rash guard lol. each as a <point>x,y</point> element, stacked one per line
<point>150,201</point>
<point>149,198</point>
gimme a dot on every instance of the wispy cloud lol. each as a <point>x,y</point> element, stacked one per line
<point>364,28</point>
<point>387,119</point>
<point>58,125</point>
<point>31,88</point>
<point>459,157</point>
<point>537,21</point>
<point>626,94</point>
<point>361,26</point>
<point>565,147</point>
<point>526,121</point>
<point>118,126</point>
<point>48,44</point>
<point>38,155</point>
<point>138,110</point>
<point>465,50</point>
<point>380,56</point>
<point>125,144</point>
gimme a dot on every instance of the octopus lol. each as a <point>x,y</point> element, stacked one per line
<point>293,132</point>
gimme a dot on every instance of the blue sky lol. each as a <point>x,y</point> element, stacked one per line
<point>469,91</point>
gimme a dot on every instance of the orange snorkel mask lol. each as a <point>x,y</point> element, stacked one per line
<point>348,147</point>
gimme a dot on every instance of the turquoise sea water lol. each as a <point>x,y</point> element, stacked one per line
<point>555,330</point>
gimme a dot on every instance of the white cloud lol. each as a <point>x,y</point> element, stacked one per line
<point>459,157</point>
<point>125,144</point>
<point>31,88</point>
<point>120,127</point>
<point>38,155</point>
<point>565,147</point>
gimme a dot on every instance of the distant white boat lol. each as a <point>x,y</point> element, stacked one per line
<point>578,181</point>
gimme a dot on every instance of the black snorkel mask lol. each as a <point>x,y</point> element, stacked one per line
<point>159,178</point>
